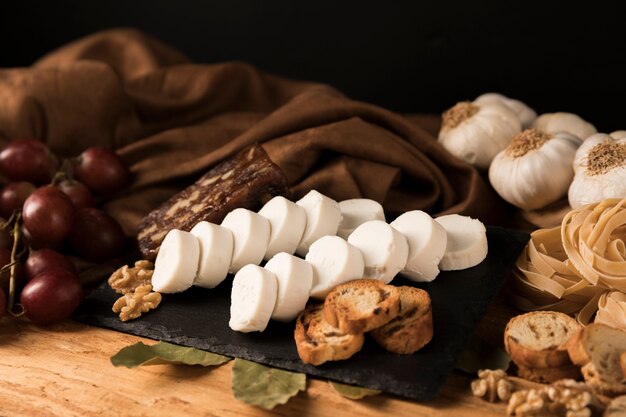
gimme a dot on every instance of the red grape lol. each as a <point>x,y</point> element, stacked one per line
<point>102,170</point>
<point>48,215</point>
<point>96,236</point>
<point>77,192</point>
<point>28,160</point>
<point>44,260</point>
<point>51,296</point>
<point>13,195</point>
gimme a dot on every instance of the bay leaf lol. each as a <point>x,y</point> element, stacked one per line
<point>352,392</point>
<point>479,354</point>
<point>263,386</point>
<point>160,353</point>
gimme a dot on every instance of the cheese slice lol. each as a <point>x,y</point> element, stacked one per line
<point>467,242</point>
<point>294,277</point>
<point>334,262</point>
<point>322,219</point>
<point>287,223</point>
<point>427,243</point>
<point>385,250</point>
<point>251,234</point>
<point>216,251</point>
<point>177,262</point>
<point>252,299</point>
<point>355,212</point>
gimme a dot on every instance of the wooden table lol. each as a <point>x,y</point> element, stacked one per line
<point>64,370</point>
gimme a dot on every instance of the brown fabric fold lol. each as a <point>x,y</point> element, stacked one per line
<point>171,120</point>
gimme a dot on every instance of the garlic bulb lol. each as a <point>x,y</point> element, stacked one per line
<point>525,114</point>
<point>618,134</point>
<point>565,122</point>
<point>535,169</point>
<point>600,170</point>
<point>476,132</point>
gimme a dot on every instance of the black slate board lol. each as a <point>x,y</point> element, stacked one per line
<point>199,318</point>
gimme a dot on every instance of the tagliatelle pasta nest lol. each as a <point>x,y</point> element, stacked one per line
<point>579,267</point>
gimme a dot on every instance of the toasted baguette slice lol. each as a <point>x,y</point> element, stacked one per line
<point>361,305</point>
<point>539,339</point>
<point>318,342</point>
<point>622,364</point>
<point>598,348</point>
<point>412,329</point>
<point>549,375</point>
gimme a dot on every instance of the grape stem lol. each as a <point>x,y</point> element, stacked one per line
<point>64,173</point>
<point>14,260</point>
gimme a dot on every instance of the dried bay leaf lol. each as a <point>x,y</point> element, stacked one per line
<point>352,392</point>
<point>141,354</point>
<point>263,386</point>
<point>479,354</point>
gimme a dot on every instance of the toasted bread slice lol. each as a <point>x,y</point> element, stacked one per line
<point>622,364</point>
<point>318,342</point>
<point>361,305</point>
<point>412,329</point>
<point>539,339</point>
<point>549,375</point>
<point>599,348</point>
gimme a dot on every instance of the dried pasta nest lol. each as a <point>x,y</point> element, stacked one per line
<point>573,267</point>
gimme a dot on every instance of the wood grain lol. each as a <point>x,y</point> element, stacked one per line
<point>64,370</point>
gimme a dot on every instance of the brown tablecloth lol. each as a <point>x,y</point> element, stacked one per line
<point>171,119</point>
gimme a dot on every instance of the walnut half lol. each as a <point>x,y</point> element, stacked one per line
<point>493,385</point>
<point>133,304</point>
<point>566,398</point>
<point>126,279</point>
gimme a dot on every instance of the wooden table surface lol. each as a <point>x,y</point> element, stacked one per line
<point>64,370</point>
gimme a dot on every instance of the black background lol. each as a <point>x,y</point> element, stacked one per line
<point>410,56</point>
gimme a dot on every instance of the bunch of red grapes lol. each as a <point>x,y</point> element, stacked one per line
<point>46,210</point>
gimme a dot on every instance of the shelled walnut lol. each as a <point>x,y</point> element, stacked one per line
<point>132,304</point>
<point>566,398</point>
<point>125,279</point>
<point>492,384</point>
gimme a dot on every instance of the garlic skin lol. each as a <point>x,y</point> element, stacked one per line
<point>535,169</point>
<point>599,177</point>
<point>618,134</point>
<point>525,114</point>
<point>476,132</point>
<point>565,122</point>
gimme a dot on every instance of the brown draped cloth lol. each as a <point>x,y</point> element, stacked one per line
<point>171,120</point>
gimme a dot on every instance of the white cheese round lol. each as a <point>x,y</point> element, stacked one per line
<point>357,211</point>
<point>467,242</point>
<point>322,219</point>
<point>294,277</point>
<point>334,262</point>
<point>427,243</point>
<point>177,262</point>
<point>251,234</point>
<point>287,223</point>
<point>385,250</point>
<point>216,251</point>
<point>252,299</point>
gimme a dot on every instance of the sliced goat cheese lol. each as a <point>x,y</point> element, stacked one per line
<point>357,211</point>
<point>467,242</point>
<point>252,299</point>
<point>177,262</point>
<point>322,219</point>
<point>385,250</point>
<point>251,234</point>
<point>287,223</point>
<point>216,252</point>
<point>294,277</point>
<point>427,243</point>
<point>334,262</point>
